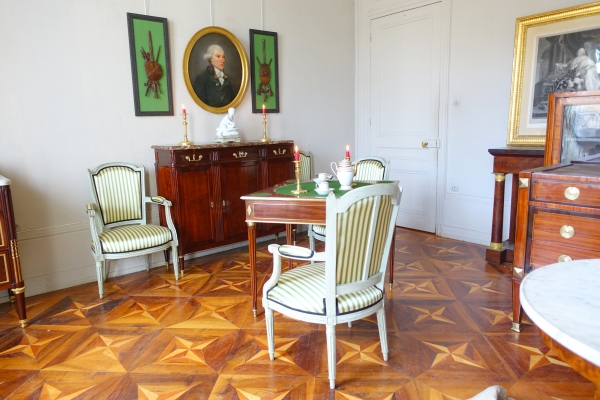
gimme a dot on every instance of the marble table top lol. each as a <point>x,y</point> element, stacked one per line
<point>4,181</point>
<point>563,300</point>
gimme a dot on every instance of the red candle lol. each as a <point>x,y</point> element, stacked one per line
<point>296,154</point>
<point>264,110</point>
<point>183,109</point>
<point>347,151</point>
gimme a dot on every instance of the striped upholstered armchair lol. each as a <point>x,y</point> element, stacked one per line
<point>346,281</point>
<point>365,169</point>
<point>118,219</point>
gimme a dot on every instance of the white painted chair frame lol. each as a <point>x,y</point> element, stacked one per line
<point>330,319</point>
<point>312,234</point>
<point>97,226</point>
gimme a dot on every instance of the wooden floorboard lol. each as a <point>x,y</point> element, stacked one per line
<point>151,337</point>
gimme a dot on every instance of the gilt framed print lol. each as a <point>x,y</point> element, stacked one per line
<point>573,126</point>
<point>555,52</point>
<point>215,69</point>
<point>264,71</point>
<point>150,65</point>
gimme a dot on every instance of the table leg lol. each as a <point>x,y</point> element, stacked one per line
<point>391,258</point>
<point>289,240</point>
<point>516,300</point>
<point>495,253</point>
<point>252,252</point>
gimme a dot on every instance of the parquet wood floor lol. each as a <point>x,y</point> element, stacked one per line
<point>448,318</point>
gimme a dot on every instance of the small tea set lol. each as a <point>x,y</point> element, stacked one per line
<point>342,171</point>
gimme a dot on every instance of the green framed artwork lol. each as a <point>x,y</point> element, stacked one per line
<point>150,65</point>
<point>264,71</point>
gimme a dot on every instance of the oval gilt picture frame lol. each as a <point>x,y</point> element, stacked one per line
<point>211,90</point>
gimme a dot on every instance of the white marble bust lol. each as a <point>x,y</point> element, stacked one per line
<point>227,132</point>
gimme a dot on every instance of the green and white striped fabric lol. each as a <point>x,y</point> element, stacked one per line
<point>303,289</point>
<point>124,239</point>
<point>305,164</point>
<point>381,231</point>
<point>119,194</point>
<point>368,170</point>
<point>320,229</point>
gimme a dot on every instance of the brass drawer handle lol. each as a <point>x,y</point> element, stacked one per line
<point>571,193</point>
<point>564,258</point>
<point>193,158</point>
<point>223,203</point>
<point>279,151</point>
<point>240,154</point>
<point>567,231</point>
<point>212,204</point>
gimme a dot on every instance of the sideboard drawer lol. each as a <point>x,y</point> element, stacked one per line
<point>576,193</point>
<point>275,150</point>
<point>192,157</point>
<point>238,153</point>
<point>544,253</point>
<point>566,229</point>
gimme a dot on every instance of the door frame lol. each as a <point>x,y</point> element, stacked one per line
<point>365,11</point>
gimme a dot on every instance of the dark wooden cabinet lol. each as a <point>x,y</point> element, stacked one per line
<point>558,219</point>
<point>10,264</point>
<point>205,183</point>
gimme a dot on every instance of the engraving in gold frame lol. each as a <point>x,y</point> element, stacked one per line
<point>522,25</point>
<point>186,73</point>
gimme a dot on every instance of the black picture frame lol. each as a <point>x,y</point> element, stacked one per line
<point>149,37</point>
<point>263,44</point>
<point>198,75</point>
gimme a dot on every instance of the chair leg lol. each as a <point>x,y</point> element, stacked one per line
<point>166,253</point>
<point>99,272</point>
<point>105,265</point>
<point>331,352</point>
<point>147,259</point>
<point>382,332</point>
<point>175,262</point>
<point>311,240</point>
<point>270,332</point>
<point>349,324</point>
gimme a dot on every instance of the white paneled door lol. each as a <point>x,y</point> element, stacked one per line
<point>404,107</point>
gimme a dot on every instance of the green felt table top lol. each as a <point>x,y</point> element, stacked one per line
<point>310,188</point>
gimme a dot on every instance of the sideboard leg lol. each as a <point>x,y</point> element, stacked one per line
<point>517,309</point>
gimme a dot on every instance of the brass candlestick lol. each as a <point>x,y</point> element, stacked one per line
<point>186,142</point>
<point>298,188</point>
<point>264,139</point>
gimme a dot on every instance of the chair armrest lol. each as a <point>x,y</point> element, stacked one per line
<point>158,200</point>
<point>96,224</point>
<point>296,253</point>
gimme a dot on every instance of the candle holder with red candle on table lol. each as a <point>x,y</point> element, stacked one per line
<point>264,139</point>
<point>298,189</point>
<point>185,142</point>
<point>348,152</point>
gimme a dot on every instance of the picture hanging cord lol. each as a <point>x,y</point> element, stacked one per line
<point>145,9</point>
<point>211,14</point>
<point>262,15</point>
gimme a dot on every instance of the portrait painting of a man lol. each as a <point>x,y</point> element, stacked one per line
<point>215,69</point>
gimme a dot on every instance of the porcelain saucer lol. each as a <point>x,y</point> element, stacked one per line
<point>326,191</point>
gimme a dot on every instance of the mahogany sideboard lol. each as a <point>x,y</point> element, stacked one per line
<point>205,183</point>
<point>10,264</point>
<point>508,160</point>
<point>558,220</point>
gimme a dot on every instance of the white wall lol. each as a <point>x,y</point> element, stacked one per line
<point>66,105</point>
<point>480,72</point>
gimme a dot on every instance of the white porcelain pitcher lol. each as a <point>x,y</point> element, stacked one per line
<point>344,173</point>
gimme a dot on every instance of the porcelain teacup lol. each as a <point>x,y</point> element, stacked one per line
<point>322,186</point>
<point>322,176</point>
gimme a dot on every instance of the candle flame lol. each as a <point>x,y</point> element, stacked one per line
<point>296,149</point>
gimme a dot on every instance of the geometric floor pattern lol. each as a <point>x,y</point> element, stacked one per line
<point>151,337</point>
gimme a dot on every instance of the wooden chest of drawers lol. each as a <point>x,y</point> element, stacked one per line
<point>558,219</point>
<point>10,265</point>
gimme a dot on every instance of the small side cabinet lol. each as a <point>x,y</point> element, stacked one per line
<point>10,264</point>
<point>558,220</point>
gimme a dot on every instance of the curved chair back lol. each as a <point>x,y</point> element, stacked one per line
<point>371,169</point>
<point>118,190</point>
<point>306,166</point>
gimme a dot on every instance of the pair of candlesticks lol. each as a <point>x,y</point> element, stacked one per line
<point>187,143</point>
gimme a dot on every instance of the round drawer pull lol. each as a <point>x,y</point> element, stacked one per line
<point>571,193</point>
<point>567,231</point>
<point>564,258</point>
